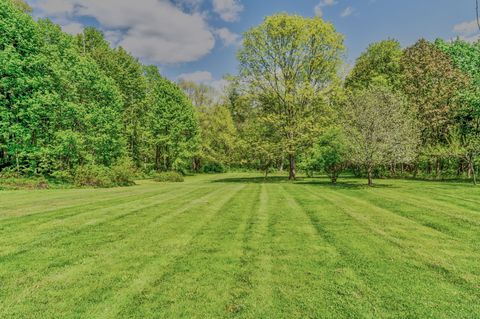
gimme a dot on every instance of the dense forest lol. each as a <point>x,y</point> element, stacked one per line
<point>73,108</point>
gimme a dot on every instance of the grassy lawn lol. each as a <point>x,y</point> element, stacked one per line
<point>226,246</point>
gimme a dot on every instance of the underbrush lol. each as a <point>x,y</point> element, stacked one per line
<point>121,174</point>
<point>168,177</point>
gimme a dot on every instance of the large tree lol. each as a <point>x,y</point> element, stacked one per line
<point>290,63</point>
<point>378,65</point>
<point>172,123</point>
<point>466,56</point>
<point>380,129</point>
<point>127,72</point>
<point>432,82</point>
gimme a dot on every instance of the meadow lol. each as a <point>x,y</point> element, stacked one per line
<point>234,246</point>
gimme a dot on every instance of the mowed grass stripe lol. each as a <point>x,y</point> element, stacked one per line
<point>183,286</point>
<point>339,289</point>
<point>252,293</point>
<point>127,235</point>
<point>454,221</point>
<point>81,220</point>
<point>200,280</point>
<point>44,201</point>
<point>403,268</point>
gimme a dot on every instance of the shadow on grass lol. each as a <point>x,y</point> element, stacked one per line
<point>360,184</point>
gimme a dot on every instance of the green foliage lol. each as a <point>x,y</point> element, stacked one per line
<point>380,129</point>
<point>68,102</point>
<point>22,5</point>
<point>128,74</point>
<point>168,177</point>
<point>93,176</point>
<point>172,124</point>
<point>466,56</point>
<point>431,83</point>
<point>290,62</point>
<point>380,65</point>
<point>329,154</point>
<point>123,173</point>
<point>218,138</point>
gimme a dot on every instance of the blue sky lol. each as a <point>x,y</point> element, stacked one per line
<point>198,39</point>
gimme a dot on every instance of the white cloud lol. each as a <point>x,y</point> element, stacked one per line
<point>228,10</point>
<point>467,31</point>
<point>323,3</point>
<point>466,27</point>
<point>199,77</point>
<point>154,30</point>
<point>73,28</point>
<point>347,12</point>
<point>228,38</point>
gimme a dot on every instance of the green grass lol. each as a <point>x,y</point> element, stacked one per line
<point>231,246</point>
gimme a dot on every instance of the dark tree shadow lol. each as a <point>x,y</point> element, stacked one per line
<point>348,184</point>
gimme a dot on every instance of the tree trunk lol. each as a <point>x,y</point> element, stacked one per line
<point>292,175</point>
<point>474,173</point>
<point>369,175</point>
<point>157,158</point>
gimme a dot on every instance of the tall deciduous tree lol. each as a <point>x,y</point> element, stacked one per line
<point>380,129</point>
<point>466,56</point>
<point>380,64</point>
<point>127,72</point>
<point>22,5</point>
<point>291,62</point>
<point>172,123</point>
<point>432,83</point>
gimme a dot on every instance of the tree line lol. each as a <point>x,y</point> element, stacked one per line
<point>399,112</point>
<point>68,103</point>
<point>73,101</point>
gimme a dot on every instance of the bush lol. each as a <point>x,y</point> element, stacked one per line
<point>62,176</point>
<point>172,177</point>
<point>123,173</point>
<point>93,176</point>
<point>212,167</point>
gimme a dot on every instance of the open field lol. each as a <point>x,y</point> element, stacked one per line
<point>226,246</point>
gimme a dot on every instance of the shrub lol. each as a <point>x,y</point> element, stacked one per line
<point>93,176</point>
<point>172,177</point>
<point>123,173</point>
<point>212,167</point>
<point>62,176</point>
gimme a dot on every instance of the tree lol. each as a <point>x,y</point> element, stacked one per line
<point>431,83</point>
<point>218,138</point>
<point>172,123</point>
<point>22,5</point>
<point>262,142</point>
<point>127,72</point>
<point>199,94</point>
<point>23,89</point>
<point>87,104</point>
<point>329,154</point>
<point>378,65</point>
<point>466,56</point>
<point>290,63</point>
<point>380,129</point>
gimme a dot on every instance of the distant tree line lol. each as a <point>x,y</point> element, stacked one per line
<point>68,103</point>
